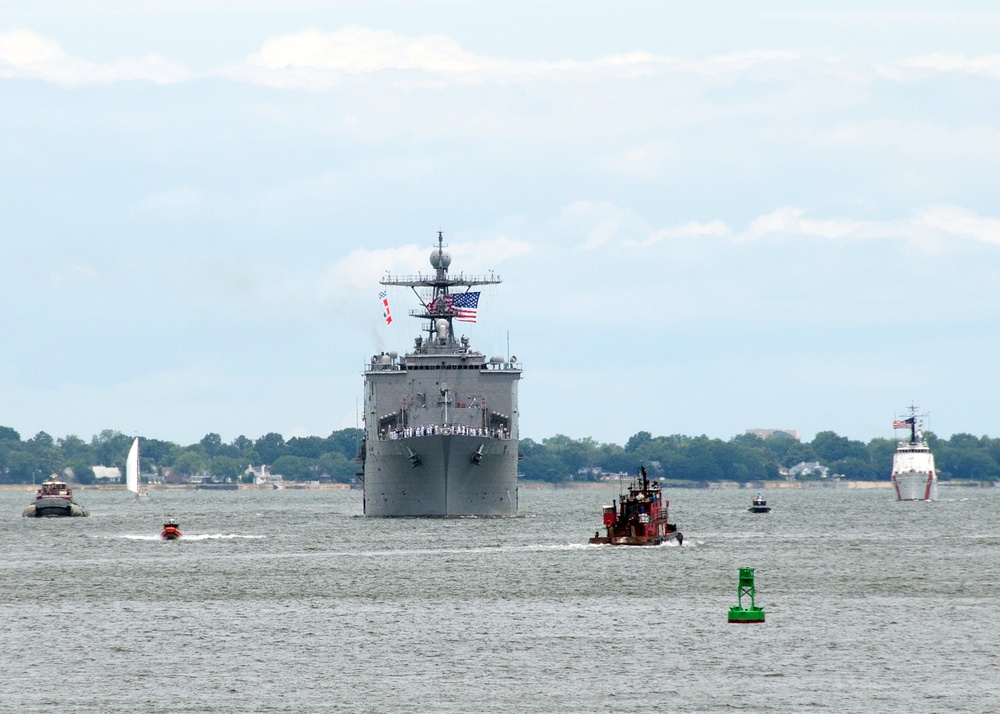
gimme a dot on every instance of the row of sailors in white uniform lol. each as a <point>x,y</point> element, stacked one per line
<point>456,429</point>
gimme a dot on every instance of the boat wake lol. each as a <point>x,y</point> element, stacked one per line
<point>202,536</point>
<point>562,546</point>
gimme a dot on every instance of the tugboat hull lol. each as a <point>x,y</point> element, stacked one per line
<point>639,540</point>
<point>53,508</point>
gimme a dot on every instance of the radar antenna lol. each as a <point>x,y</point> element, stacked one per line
<point>436,303</point>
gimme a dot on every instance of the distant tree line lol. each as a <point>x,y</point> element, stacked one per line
<point>310,458</point>
<point>747,457</point>
<point>696,459</point>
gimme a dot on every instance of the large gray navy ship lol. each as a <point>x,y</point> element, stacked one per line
<point>441,421</point>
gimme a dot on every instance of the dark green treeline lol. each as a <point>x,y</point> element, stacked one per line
<point>695,459</point>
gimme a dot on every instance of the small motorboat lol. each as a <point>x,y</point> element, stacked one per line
<point>171,529</point>
<point>759,505</point>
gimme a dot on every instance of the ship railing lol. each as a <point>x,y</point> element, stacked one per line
<point>411,432</point>
<point>422,280</point>
<point>379,367</point>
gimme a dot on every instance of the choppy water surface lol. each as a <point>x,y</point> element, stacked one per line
<point>291,601</point>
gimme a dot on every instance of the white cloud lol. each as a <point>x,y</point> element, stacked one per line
<point>361,269</point>
<point>599,222</point>
<point>935,222</point>
<point>22,47</point>
<point>27,55</point>
<point>790,220</point>
<point>893,18</point>
<point>603,222</point>
<point>913,67</point>
<point>315,60</point>
<point>958,221</point>
<point>350,284</point>
<point>691,229</point>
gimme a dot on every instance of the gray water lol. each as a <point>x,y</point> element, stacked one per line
<point>291,601</point>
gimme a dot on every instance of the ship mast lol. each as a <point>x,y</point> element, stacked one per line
<point>911,421</point>
<point>438,309</point>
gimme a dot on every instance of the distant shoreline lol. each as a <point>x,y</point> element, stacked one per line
<point>284,486</point>
<point>749,486</point>
<point>528,485</point>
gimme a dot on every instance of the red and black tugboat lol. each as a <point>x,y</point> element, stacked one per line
<point>171,529</point>
<point>641,517</point>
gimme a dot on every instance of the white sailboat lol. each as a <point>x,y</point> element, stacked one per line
<point>132,471</point>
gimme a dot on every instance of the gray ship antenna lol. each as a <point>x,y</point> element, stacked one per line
<point>437,307</point>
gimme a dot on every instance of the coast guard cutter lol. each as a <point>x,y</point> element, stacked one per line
<point>914,476</point>
<point>441,422</point>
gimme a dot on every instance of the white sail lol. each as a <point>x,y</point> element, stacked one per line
<point>132,468</point>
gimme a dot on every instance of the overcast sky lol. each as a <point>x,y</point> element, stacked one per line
<point>707,216</point>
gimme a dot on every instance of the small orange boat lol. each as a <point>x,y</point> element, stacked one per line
<point>171,529</point>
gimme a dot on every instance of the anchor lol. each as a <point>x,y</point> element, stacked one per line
<point>478,456</point>
<point>414,458</point>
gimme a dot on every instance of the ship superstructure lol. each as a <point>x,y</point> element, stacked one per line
<point>914,477</point>
<point>441,422</point>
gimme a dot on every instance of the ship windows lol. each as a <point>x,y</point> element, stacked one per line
<point>479,367</point>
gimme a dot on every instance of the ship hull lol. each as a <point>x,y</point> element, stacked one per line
<point>54,508</point>
<point>915,486</point>
<point>444,479</point>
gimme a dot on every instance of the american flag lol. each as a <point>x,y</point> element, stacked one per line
<point>902,423</point>
<point>462,306</point>
<point>384,297</point>
<point>465,305</point>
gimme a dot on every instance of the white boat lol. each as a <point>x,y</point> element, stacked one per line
<point>132,471</point>
<point>914,477</point>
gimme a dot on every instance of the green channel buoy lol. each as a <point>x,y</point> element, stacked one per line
<point>746,614</point>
